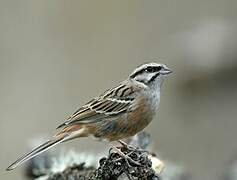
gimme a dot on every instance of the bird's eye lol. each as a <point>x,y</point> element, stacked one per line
<point>153,69</point>
<point>159,68</point>
<point>150,69</point>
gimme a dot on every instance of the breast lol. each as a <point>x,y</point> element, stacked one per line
<point>142,113</point>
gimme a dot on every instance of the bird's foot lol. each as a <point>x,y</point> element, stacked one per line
<point>126,157</point>
<point>126,145</point>
<point>131,148</point>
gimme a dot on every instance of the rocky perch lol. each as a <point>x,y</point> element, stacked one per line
<point>72,165</point>
<point>112,167</point>
<point>116,167</point>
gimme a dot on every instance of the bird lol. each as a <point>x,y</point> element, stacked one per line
<point>118,113</point>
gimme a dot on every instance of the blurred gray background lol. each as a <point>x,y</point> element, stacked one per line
<point>56,55</point>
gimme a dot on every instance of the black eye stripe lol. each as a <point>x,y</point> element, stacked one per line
<point>153,68</point>
<point>149,69</point>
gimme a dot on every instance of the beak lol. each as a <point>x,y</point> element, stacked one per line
<point>165,71</point>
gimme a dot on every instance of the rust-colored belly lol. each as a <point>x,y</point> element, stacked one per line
<point>124,126</point>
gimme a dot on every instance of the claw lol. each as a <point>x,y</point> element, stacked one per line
<point>110,149</point>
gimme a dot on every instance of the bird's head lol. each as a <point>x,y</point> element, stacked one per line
<point>150,74</point>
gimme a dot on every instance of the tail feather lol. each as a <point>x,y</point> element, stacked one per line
<point>40,149</point>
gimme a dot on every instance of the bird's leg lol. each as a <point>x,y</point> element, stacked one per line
<point>129,147</point>
<point>126,157</point>
<point>126,145</point>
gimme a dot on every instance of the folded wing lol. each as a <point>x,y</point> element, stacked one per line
<point>113,102</point>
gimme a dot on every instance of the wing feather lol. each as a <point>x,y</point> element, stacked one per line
<point>112,102</point>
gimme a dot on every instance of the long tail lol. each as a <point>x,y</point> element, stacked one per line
<point>43,147</point>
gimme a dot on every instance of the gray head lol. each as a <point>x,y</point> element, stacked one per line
<point>150,74</point>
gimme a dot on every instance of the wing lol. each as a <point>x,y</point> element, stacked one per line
<point>112,102</point>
